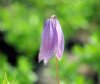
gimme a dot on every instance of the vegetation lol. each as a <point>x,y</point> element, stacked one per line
<point>21,24</point>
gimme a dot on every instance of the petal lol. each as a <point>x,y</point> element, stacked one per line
<point>60,47</point>
<point>49,41</point>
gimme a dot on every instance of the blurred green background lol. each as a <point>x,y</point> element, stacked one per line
<point>21,24</point>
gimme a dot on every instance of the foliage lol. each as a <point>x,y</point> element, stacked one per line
<point>22,22</point>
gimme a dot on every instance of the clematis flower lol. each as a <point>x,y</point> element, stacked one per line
<point>52,40</point>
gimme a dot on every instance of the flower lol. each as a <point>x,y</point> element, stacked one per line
<point>52,40</point>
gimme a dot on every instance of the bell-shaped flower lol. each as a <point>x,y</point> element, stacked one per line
<point>52,40</point>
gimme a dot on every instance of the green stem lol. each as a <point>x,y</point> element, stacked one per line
<point>57,69</point>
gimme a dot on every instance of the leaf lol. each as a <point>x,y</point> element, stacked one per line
<point>5,81</point>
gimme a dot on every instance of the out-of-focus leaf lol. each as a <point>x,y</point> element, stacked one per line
<point>5,80</point>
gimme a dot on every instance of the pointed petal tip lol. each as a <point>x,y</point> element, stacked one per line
<point>42,59</point>
<point>59,58</point>
<point>45,61</point>
<point>59,54</point>
<point>39,59</point>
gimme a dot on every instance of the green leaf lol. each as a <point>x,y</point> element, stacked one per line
<point>5,81</point>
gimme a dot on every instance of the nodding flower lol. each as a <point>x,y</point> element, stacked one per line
<point>52,40</point>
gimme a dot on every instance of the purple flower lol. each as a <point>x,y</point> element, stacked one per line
<point>52,40</point>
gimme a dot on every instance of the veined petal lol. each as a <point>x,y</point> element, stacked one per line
<point>49,41</point>
<point>60,47</point>
<point>60,50</point>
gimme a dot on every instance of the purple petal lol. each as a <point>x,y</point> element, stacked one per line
<point>60,47</point>
<point>49,40</point>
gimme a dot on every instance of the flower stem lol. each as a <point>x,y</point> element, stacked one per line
<point>57,69</point>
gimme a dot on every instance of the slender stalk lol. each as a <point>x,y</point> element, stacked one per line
<point>57,70</point>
